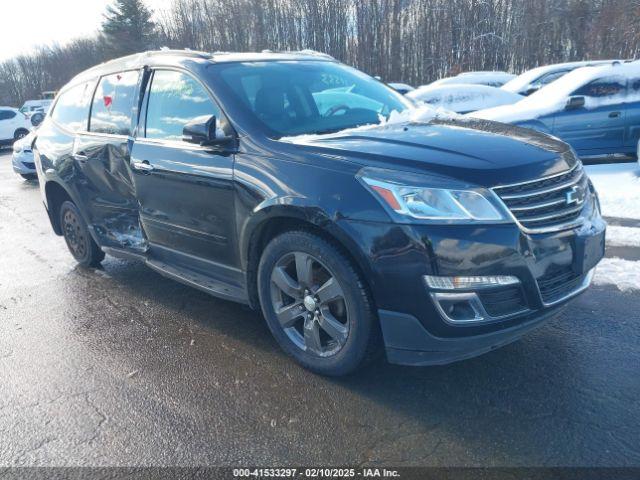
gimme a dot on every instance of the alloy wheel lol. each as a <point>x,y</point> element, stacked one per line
<point>309,304</point>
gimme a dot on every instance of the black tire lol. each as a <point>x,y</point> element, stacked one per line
<point>37,118</point>
<point>20,133</point>
<point>76,234</point>
<point>29,176</point>
<point>341,353</point>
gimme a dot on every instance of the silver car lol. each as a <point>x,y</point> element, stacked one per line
<point>23,163</point>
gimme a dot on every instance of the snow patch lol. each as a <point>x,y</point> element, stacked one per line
<point>618,187</point>
<point>624,274</point>
<point>420,114</point>
<point>477,78</point>
<point>623,236</point>
<point>463,98</point>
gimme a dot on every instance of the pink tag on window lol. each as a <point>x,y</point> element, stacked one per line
<point>107,101</point>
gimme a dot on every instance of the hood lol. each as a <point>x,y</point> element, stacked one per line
<point>475,151</point>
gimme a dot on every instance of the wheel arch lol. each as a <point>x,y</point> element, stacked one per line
<point>19,130</point>
<point>278,220</point>
<point>55,195</point>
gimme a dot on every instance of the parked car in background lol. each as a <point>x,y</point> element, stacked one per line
<point>533,80</point>
<point>491,79</point>
<point>31,106</point>
<point>352,229</point>
<point>341,100</point>
<point>402,88</point>
<point>594,109</point>
<point>13,125</point>
<point>22,160</point>
<point>462,98</point>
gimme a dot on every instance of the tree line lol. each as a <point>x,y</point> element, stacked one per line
<point>415,41</point>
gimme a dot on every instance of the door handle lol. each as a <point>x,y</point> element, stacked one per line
<point>143,166</point>
<point>614,114</point>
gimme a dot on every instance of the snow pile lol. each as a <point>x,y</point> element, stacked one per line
<point>623,236</point>
<point>420,114</point>
<point>477,78</point>
<point>462,97</point>
<point>618,187</point>
<point>553,97</point>
<point>624,274</point>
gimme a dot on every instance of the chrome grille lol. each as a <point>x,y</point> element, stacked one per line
<point>550,203</point>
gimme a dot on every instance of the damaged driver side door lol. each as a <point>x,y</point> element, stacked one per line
<point>102,156</point>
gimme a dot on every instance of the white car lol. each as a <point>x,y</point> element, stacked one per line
<point>463,98</point>
<point>491,79</point>
<point>536,78</point>
<point>13,125</point>
<point>402,88</point>
<point>23,163</point>
<point>31,106</point>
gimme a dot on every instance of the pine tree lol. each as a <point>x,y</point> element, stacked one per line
<point>127,27</point>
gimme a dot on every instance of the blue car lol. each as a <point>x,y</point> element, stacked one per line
<point>594,109</point>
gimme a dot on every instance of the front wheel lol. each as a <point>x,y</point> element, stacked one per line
<point>76,234</point>
<point>316,305</point>
<point>20,133</point>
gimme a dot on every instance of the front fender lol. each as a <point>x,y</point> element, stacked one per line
<point>302,210</point>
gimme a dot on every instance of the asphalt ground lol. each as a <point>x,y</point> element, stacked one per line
<point>121,366</point>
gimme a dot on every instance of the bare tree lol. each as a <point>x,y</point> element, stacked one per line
<point>415,41</point>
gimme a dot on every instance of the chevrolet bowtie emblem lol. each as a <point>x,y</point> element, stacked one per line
<point>574,195</point>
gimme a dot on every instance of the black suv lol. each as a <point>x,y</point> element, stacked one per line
<point>290,182</point>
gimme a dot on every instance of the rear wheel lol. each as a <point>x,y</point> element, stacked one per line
<point>316,304</point>
<point>76,234</point>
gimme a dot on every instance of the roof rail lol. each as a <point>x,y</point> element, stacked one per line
<point>308,51</point>
<point>305,51</point>
<point>186,52</point>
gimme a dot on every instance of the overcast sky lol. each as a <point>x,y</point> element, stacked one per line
<point>27,24</point>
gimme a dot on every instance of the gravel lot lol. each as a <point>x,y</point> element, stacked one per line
<point>120,366</point>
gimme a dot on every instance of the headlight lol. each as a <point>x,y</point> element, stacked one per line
<point>432,198</point>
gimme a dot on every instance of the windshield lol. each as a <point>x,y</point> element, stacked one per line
<point>522,81</point>
<point>309,97</point>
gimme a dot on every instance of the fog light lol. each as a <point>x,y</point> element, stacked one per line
<point>468,283</point>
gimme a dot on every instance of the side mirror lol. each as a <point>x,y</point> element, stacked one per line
<point>574,103</point>
<point>202,131</point>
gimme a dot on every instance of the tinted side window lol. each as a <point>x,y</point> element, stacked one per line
<point>634,89</point>
<point>113,103</point>
<point>603,88</point>
<point>72,108</point>
<point>7,114</point>
<point>176,99</point>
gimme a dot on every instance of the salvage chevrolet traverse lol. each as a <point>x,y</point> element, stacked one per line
<point>298,185</point>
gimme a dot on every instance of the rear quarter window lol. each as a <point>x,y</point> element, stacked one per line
<point>111,111</point>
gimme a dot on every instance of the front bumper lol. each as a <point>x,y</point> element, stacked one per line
<point>551,268</point>
<point>23,163</point>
